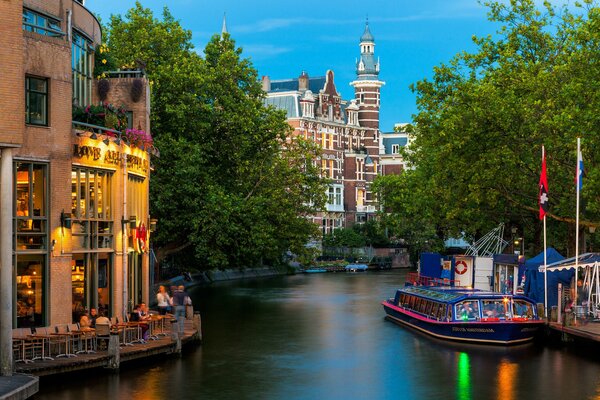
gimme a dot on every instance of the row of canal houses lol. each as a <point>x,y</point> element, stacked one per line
<point>75,161</point>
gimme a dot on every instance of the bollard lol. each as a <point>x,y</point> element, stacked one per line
<point>114,359</point>
<point>175,336</point>
<point>198,325</point>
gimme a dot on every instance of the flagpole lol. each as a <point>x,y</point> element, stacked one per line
<point>577,229</point>
<point>545,255</point>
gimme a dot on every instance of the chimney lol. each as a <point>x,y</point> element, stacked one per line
<point>266,83</point>
<point>303,81</point>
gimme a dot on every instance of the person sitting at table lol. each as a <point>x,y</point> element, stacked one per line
<point>144,312</point>
<point>92,317</point>
<point>84,321</point>
<point>102,319</point>
<point>136,316</point>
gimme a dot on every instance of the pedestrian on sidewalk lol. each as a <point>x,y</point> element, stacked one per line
<point>163,299</point>
<point>179,300</point>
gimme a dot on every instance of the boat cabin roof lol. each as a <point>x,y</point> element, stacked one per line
<point>452,294</point>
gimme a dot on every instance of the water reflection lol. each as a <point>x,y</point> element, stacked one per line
<point>325,337</point>
<point>464,377</point>
<point>507,376</point>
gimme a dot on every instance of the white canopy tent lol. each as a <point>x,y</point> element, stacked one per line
<point>590,263</point>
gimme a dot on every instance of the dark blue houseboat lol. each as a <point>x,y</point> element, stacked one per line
<point>468,315</point>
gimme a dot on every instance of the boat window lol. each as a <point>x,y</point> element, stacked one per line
<point>421,305</point>
<point>467,310</point>
<point>522,309</point>
<point>496,308</point>
<point>434,310</point>
<point>400,299</point>
<point>428,307</point>
<point>441,311</point>
<point>411,302</point>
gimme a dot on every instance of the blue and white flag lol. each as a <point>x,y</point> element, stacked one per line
<point>580,171</point>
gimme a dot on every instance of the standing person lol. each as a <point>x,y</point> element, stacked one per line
<point>179,300</point>
<point>163,299</point>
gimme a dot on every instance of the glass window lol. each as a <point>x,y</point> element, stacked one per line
<point>91,208</point>
<point>81,64</point>
<point>36,101</point>
<point>523,309</point>
<point>30,290</point>
<point>395,148</point>
<point>467,310</point>
<point>496,309</point>
<point>30,242</point>
<point>42,24</point>
<point>30,206</point>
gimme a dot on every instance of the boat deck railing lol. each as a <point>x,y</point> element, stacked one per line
<point>416,279</point>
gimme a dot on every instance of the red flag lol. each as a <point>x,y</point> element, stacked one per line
<point>543,194</point>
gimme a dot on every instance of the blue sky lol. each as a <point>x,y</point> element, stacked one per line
<point>284,38</point>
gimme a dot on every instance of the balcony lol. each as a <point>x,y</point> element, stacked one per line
<point>335,208</point>
<point>366,209</point>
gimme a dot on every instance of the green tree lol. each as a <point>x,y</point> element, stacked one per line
<point>484,117</point>
<point>232,184</point>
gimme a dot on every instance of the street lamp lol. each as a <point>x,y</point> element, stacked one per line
<point>518,242</point>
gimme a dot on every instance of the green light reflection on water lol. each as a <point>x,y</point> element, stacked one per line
<point>463,384</point>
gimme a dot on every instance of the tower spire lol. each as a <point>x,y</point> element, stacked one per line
<point>224,27</point>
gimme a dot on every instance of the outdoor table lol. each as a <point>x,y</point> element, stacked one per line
<point>160,321</point>
<point>44,340</point>
<point>124,334</point>
<point>67,336</point>
<point>87,340</point>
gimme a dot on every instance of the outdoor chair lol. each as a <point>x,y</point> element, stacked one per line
<point>102,336</point>
<point>75,338</point>
<point>122,330</point>
<point>62,332</point>
<point>44,341</point>
<point>24,349</point>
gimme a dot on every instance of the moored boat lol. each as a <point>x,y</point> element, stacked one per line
<point>356,267</point>
<point>314,270</point>
<point>468,315</point>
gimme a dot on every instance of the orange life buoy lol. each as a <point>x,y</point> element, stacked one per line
<point>463,267</point>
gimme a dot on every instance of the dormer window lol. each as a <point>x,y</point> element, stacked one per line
<point>308,110</point>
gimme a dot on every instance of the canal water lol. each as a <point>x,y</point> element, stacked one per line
<point>324,336</point>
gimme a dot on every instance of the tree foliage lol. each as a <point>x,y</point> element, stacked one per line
<point>483,118</point>
<point>232,183</point>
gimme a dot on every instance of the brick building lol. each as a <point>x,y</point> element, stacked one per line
<point>74,196</point>
<point>347,130</point>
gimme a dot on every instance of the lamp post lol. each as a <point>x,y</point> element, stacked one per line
<point>514,234</point>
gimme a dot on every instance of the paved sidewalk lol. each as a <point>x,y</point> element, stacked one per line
<point>18,386</point>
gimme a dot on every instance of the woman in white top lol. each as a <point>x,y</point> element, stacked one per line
<point>163,300</point>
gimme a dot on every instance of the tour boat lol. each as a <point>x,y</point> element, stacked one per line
<point>468,315</point>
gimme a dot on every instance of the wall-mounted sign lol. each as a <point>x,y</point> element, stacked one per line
<point>88,152</point>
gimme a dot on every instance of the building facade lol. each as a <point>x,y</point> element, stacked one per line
<point>392,162</point>
<point>347,131</point>
<point>74,195</point>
